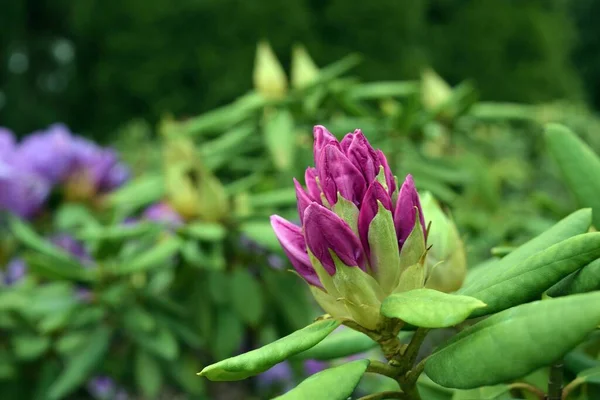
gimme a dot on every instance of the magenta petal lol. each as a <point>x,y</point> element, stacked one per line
<point>303,200</point>
<point>310,178</point>
<point>363,156</point>
<point>338,174</point>
<point>325,231</point>
<point>369,209</point>
<point>389,177</point>
<point>294,246</point>
<point>322,138</point>
<point>404,215</point>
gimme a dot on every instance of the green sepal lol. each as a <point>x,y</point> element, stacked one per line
<point>385,256</point>
<point>347,211</point>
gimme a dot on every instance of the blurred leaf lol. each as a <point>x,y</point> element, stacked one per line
<point>184,372</point>
<point>228,334</point>
<point>527,280</point>
<point>148,375</point>
<point>379,90</point>
<point>29,347</point>
<point>336,383</point>
<point>429,308</point>
<point>227,146</point>
<point>273,198</point>
<point>138,319</point>
<point>153,258</point>
<point>260,360</point>
<point>139,192</point>
<point>81,365</point>
<point>430,390</point>
<point>71,342</point>
<point>261,233</point>
<point>291,296</point>
<point>579,165</point>
<point>119,232</point>
<point>206,231</point>
<point>344,343</point>
<point>499,392</point>
<point>246,296</point>
<point>7,366</point>
<point>161,342</point>
<point>56,269</point>
<point>591,375</point>
<point>514,342</point>
<point>280,137</point>
<point>73,216</point>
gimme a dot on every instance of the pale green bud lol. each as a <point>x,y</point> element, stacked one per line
<point>304,71</point>
<point>269,78</point>
<point>435,92</point>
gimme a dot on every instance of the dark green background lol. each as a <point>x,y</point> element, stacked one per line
<point>144,58</point>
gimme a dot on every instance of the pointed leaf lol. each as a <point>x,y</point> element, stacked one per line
<point>344,343</point>
<point>153,258</point>
<point>514,342</point>
<point>332,384</point>
<point>429,308</point>
<point>280,138</point>
<point>584,280</point>
<point>260,360</point>
<point>579,165</point>
<point>527,280</point>
<point>498,392</point>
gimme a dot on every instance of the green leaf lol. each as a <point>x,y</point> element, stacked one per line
<point>527,280</point>
<point>207,231</point>
<point>514,342</point>
<point>139,192</point>
<point>429,308</point>
<point>81,365</point>
<point>280,138</point>
<point>228,334</point>
<point>498,392</point>
<point>246,296</point>
<point>161,343</point>
<point>584,280</point>
<point>262,233</point>
<point>591,375</point>
<point>579,165</point>
<point>430,390</point>
<point>273,198</point>
<point>344,343</point>
<point>380,90</point>
<point>119,232</point>
<point>153,258</point>
<point>28,347</point>
<point>260,360</point>
<point>148,375</point>
<point>332,384</point>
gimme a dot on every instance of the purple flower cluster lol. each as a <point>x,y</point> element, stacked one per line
<point>105,388</point>
<point>29,170</point>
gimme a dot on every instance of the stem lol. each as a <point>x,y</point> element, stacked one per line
<point>530,388</point>
<point>570,387</point>
<point>555,381</point>
<point>377,367</point>
<point>385,395</point>
<point>413,347</point>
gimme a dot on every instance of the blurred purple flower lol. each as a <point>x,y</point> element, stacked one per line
<point>21,192</point>
<point>15,271</point>
<point>312,367</point>
<point>73,247</point>
<point>162,212</point>
<point>276,261</point>
<point>279,375</point>
<point>7,143</point>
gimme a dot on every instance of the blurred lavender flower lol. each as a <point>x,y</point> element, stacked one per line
<point>73,247</point>
<point>276,261</point>
<point>163,213</point>
<point>280,375</point>
<point>21,192</point>
<point>15,271</point>
<point>312,367</point>
<point>7,143</point>
<point>105,388</point>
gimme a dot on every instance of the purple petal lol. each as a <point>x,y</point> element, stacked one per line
<point>72,246</point>
<point>7,143</point>
<point>302,198</point>
<point>15,271</point>
<point>22,192</point>
<point>362,155</point>
<point>163,213</point>
<point>338,174</point>
<point>294,246</point>
<point>322,138</point>
<point>389,177</point>
<point>310,178</point>
<point>325,231</point>
<point>369,209</point>
<point>101,387</point>
<point>404,215</point>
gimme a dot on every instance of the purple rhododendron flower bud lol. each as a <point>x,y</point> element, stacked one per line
<point>353,215</point>
<point>162,212</point>
<point>325,232</point>
<point>15,270</point>
<point>406,208</point>
<point>291,239</point>
<point>72,246</point>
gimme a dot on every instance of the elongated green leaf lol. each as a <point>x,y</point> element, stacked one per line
<point>205,231</point>
<point>260,360</point>
<point>579,165</point>
<point>280,138</point>
<point>81,365</point>
<point>514,342</point>
<point>246,296</point>
<point>332,384</point>
<point>152,258</point>
<point>591,375</point>
<point>28,347</point>
<point>148,374</point>
<point>429,308</point>
<point>584,280</point>
<point>344,343</point>
<point>119,232</point>
<point>498,392</point>
<point>144,190</point>
<point>262,233</point>
<point>228,334</point>
<point>527,280</point>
